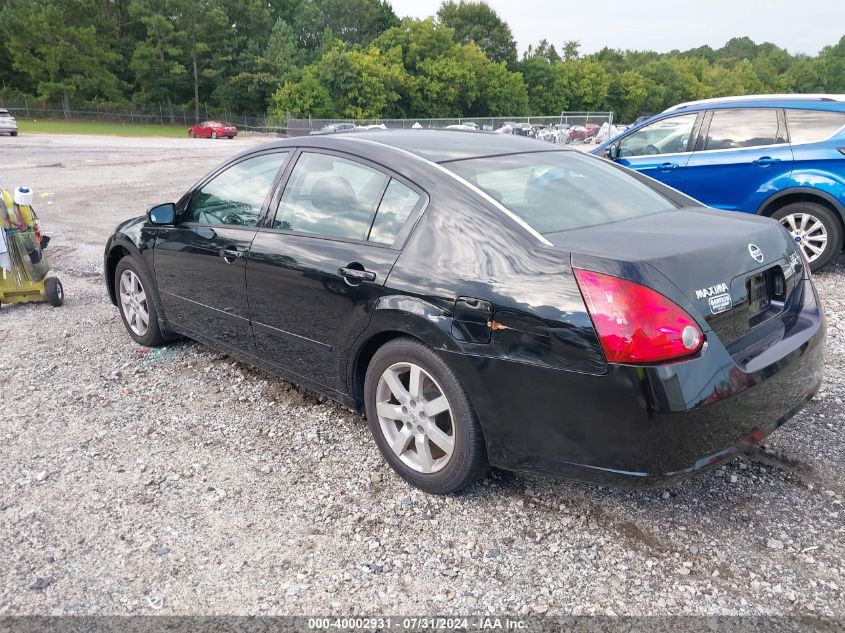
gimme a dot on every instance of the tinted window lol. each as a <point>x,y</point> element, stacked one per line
<point>733,129</point>
<point>393,212</point>
<point>667,136</point>
<point>558,191</point>
<point>809,126</point>
<point>236,195</point>
<point>331,196</point>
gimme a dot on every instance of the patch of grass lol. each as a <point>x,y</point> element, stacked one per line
<point>46,126</point>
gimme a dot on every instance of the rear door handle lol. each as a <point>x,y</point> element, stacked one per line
<point>766,160</point>
<point>231,254</point>
<point>668,166</point>
<point>354,274</point>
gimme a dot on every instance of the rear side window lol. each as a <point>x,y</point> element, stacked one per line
<point>811,126</point>
<point>560,191</point>
<point>735,129</point>
<point>396,205</point>
<point>330,196</point>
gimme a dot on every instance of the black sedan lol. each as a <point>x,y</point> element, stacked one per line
<point>486,300</point>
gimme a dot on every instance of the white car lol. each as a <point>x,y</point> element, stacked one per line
<point>8,125</point>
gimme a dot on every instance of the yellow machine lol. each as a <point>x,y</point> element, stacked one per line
<point>23,266</point>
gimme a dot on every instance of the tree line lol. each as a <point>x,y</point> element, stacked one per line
<point>357,59</point>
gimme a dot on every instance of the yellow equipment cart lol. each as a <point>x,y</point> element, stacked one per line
<point>23,266</point>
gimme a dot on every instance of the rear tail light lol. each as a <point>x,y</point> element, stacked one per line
<point>635,324</point>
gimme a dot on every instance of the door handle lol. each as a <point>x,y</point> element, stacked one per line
<point>231,254</point>
<point>766,160</point>
<point>668,166</point>
<point>354,274</point>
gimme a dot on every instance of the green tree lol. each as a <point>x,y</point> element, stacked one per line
<point>477,22</point>
<point>63,47</point>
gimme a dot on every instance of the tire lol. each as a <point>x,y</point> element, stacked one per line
<point>13,133</point>
<point>54,292</point>
<point>192,134</point>
<point>790,216</point>
<point>214,134</point>
<point>450,472</point>
<point>152,335</point>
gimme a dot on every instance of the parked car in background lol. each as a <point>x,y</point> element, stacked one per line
<point>213,129</point>
<point>333,128</point>
<point>8,124</point>
<point>486,299</point>
<point>781,156</point>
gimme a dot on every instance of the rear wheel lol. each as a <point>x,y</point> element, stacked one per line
<point>192,134</point>
<point>137,308</point>
<point>422,419</point>
<point>816,230</point>
<point>13,133</point>
<point>213,134</point>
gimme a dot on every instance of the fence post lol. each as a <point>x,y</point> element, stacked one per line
<point>26,105</point>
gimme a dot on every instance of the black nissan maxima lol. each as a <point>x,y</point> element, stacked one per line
<point>486,300</point>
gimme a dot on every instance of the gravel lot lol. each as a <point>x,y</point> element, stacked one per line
<point>178,481</point>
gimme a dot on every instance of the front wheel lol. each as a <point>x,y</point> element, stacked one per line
<point>422,419</point>
<point>192,134</point>
<point>214,135</point>
<point>817,231</point>
<point>13,133</point>
<point>137,308</point>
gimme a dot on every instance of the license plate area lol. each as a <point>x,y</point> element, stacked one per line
<point>766,294</point>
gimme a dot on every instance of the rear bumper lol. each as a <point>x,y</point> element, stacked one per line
<point>641,426</point>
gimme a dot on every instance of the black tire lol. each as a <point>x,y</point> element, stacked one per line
<point>832,225</point>
<point>468,462</point>
<point>153,337</point>
<point>191,134</point>
<point>54,292</point>
<point>13,133</point>
<point>213,134</point>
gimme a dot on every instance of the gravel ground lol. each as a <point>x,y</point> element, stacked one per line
<point>179,481</point>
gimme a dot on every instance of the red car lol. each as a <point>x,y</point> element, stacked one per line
<point>213,129</point>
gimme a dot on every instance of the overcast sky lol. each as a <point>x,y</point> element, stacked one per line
<point>803,26</point>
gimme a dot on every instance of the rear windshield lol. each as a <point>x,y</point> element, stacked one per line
<point>560,191</point>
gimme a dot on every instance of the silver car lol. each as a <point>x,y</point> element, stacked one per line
<point>8,125</point>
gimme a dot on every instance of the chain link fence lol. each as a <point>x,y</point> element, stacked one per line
<point>158,115</point>
<point>565,128</point>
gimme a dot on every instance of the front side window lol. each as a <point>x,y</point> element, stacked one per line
<point>563,190</point>
<point>735,129</point>
<point>667,136</point>
<point>330,196</point>
<point>235,196</point>
<point>812,126</point>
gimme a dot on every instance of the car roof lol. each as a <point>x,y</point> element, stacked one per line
<point>441,146</point>
<point>805,101</point>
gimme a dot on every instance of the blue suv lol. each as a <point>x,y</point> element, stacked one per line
<point>782,156</point>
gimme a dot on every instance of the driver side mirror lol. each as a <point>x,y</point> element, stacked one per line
<point>162,214</point>
<point>612,151</point>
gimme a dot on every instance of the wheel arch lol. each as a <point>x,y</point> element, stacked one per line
<point>117,251</point>
<point>801,194</point>
<point>394,317</point>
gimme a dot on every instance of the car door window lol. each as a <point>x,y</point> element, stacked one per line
<point>236,195</point>
<point>330,196</point>
<point>667,136</point>
<point>812,126</point>
<point>396,206</point>
<point>735,129</point>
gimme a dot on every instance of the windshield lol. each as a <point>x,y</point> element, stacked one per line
<point>563,190</point>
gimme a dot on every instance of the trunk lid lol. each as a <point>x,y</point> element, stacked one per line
<point>735,270</point>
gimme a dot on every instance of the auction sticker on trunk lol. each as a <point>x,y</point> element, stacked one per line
<point>720,303</point>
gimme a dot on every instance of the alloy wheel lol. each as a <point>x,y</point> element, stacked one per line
<point>415,417</point>
<point>808,232</point>
<point>133,300</point>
